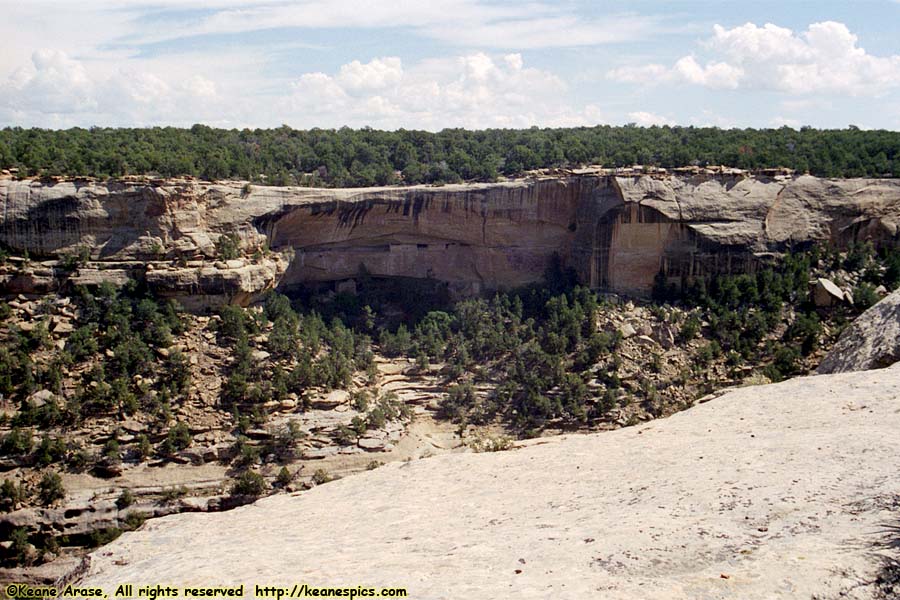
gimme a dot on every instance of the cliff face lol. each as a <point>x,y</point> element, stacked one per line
<point>616,232</point>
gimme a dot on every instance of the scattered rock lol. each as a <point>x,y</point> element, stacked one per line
<point>826,293</point>
<point>627,331</point>
<point>331,401</point>
<point>41,397</point>
<point>371,444</point>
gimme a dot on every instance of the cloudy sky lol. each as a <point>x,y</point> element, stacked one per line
<point>432,64</point>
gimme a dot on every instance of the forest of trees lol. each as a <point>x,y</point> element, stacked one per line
<point>361,157</point>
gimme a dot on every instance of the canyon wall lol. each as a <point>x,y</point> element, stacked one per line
<point>617,233</point>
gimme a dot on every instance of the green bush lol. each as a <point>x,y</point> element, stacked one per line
<point>321,476</point>
<point>10,495</point>
<point>51,488</point>
<point>249,483</point>
<point>133,520</point>
<point>691,328</point>
<point>125,499</point>
<point>82,343</point>
<point>228,246</point>
<point>284,477</point>
<point>17,442</point>
<point>101,537</point>
<point>864,296</point>
<point>178,438</point>
<point>50,451</point>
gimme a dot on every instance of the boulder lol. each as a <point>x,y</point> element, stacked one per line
<point>827,293</point>
<point>627,331</point>
<point>371,444</point>
<point>41,397</point>
<point>872,341</point>
<point>331,400</point>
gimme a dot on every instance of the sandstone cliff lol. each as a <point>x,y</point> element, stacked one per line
<point>616,232</point>
<point>779,491</point>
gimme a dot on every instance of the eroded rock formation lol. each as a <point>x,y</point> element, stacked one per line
<point>616,232</point>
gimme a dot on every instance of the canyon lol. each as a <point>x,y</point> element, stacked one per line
<point>616,232</point>
<point>207,244</point>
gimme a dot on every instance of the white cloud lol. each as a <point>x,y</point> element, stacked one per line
<point>780,121</point>
<point>826,58</point>
<point>467,23</point>
<point>717,75</point>
<point>374,75</point>
<point>651,73</point>
<point>473,90</point>
<point>53,81</point>
<point>543,27</point>
<point>646,119</point>
<point>200,87</point>
<point>59,90</point>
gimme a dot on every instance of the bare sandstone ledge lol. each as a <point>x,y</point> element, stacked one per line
<point>777,491</point>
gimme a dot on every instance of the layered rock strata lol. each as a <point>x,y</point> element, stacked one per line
<point>616,232</point>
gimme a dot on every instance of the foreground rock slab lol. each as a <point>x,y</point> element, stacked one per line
<point>777,491</point>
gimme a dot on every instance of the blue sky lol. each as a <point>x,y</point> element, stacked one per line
<point>449,63</point>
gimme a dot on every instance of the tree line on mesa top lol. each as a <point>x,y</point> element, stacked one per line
<point>362,157</point>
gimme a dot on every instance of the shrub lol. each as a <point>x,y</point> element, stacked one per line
<point>10,495</point>
<point>125,499</point>
<point>144,448</point>
<point>17,442</point>
<point>490,443</point>
<point>284,477</point>
<point>784,363</point>
<point>178,438</point>
<point>50,451</point>
<point>234,323</point>
<point>133,520</point>
<point>51,488</point>
<point>691,328</point>
<point>101,537</point>
<point>282,339</point>
<point>20,550</point>
<point>456,404</point>
<point>78,258</point>
<point>82,343</point>
<point>228,246</point>
<point>177,372</point>
<point>249,483</point>
<point>397,343</point>
<point>864,296</point>
<point>321,476</point>
<point>173,493</point>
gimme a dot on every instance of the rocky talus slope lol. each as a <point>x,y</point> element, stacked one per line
<point>776,491</point>
<point>615,232</point>
<point>872,341</point>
